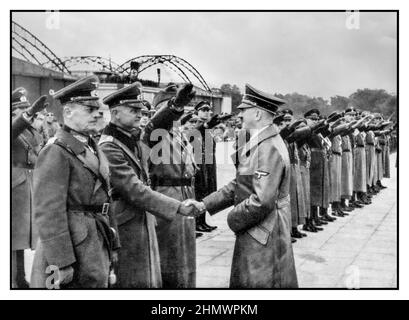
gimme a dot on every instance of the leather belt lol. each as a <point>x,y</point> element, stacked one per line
<point>102,208</point>
<point>337,153</point>
<point>167,182</point>
<point>370,144</point>
<point>346,150</point>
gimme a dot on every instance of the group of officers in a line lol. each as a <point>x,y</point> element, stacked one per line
<point>119,211</point>
<point>337,161</point>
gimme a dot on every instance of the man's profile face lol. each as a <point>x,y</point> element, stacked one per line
<point>129,118</point>
<point>83,118</point>
<point>248,117</point>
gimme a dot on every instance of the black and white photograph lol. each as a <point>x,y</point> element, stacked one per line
<point>204,150</point>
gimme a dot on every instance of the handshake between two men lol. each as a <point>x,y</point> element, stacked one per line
<point>191,208</point>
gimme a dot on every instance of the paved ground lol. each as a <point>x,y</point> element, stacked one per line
<point>355,251</point>
<point>358,251</point>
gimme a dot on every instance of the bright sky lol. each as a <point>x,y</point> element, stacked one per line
<point>308,53</point>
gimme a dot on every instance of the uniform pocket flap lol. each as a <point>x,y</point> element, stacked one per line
<point>259,234</point>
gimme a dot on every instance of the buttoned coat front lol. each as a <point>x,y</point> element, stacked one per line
<point>70,236</point>
<point>346,172</point>
<point>261,217</point>
<point>360,164</point>
<point>134,207</point>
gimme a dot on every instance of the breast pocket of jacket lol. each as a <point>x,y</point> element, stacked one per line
<point>78,226</point>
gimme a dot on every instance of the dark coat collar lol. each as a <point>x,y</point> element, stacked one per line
<point>114,131</point>
<point>68,138</point>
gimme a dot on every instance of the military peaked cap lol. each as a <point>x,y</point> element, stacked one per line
<point>79,91</point>
<point>128,96</point>
<point>19,98</point>
<point>256,98</point>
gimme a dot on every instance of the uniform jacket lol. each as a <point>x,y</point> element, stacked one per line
<point>346,172</point>
<point>319,172</point>
<point>296,190</point>
<point>171,159</point>
<point>261,217</point>
<point>335,165</point>
<point>360,164</point>
<point>70,236</point>
<point>386,159</point>
<point>206,176</point>
<point>370,158</point>
<point>134,205</point>
<point>304,154</point>
<point>26,142</point>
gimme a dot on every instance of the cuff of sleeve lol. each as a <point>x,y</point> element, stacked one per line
<point>59,251</point>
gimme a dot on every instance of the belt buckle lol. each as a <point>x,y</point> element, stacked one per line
<point>105,208</point>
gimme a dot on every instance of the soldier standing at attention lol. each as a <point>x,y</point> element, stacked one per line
<point>26,143</point>
<point>71,199</point>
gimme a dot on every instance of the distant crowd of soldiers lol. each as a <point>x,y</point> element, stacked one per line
<point>337,161</point>
<point>121,205</point>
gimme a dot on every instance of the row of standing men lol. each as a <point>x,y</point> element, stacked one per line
<point>337,162</point>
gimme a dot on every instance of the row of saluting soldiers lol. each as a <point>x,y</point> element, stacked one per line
<point>114,213</point>
<point>337,162</point>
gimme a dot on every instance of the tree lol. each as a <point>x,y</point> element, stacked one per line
<point>234,92</point>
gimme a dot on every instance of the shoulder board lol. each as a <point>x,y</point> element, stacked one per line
<point>51,141</point>
<point>105,138</point>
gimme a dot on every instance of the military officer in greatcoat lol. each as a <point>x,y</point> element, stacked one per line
<point>135,204</point>
<point>261,217</point>
<point>77,237</point>
<point>172,169</point>
<point>26,143</point>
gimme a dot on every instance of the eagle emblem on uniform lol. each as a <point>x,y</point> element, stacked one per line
<point>260,173</point>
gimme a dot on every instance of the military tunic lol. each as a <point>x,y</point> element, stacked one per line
<point>134,207</point>
<point>172,170</point>
<point>69,176</point>
<point>297,195</point>
<point>261,217</point>
<point>347,162</point>
<point>370,158</point>
<point>360,164</point>
<point>26,142</point>
<point>305,160</point>
<point>335,167</point>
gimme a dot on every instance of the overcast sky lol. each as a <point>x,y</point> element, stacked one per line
<point>309,53</point>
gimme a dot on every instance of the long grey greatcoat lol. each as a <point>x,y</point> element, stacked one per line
<point>304,154</point>
<point>26,142</point>
<point>69,236</point>
<point>379,158</point>
<point>134,205</point>
<point>370,158</point>
<point>346,172</point>
<point>360,164</point>
<point>297,195</point>
<point>335,166</point>
<point>319,172</point>
<point>386,159</point>
<point>171,159</point>
<point>263,254</point>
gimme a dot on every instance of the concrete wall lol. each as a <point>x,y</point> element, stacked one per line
<point>38,81</point>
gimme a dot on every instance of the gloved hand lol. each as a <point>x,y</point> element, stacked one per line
<point>184,95</point>
<point>37,106</point>
<point>214,121</point>
<point>185,118</point>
